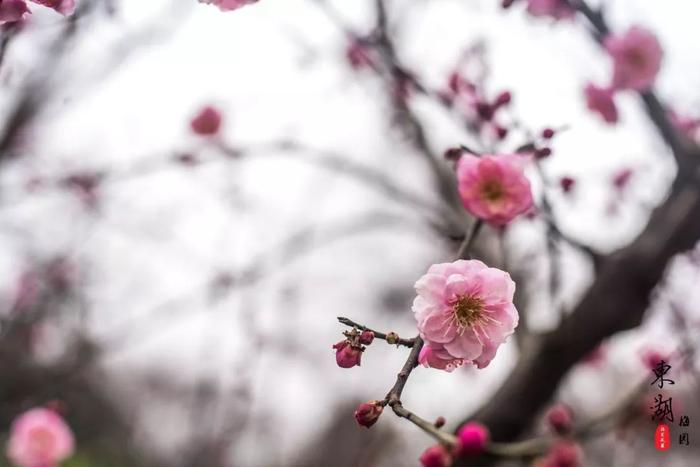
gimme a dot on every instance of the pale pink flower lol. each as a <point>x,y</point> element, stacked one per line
<point>557,9</point>
<point>494,188</point>
<point>464,311</point>
<point>12,11</point>
<point>39,438</point>
<point>228,5</point>
<point>65,7</point>
<point>601,101</point>
<point>636,58</point>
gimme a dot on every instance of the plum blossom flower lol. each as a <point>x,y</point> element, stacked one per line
<point>64,7</point>
<point>207,122</point>
<point>636,58</point>
<point>39,438</point>
<point>601,101</point>
<point>228,5</point>
<point>12,11</point>
<point>557,9</point>
<point>464,311</point>
<point>436,456</point>
<point>494,187</point>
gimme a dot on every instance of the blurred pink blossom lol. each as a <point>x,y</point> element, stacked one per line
<point>636,58</point>
<point>464,312</point>
<point>557,9</point>
<point>65,7</point>
<point>436,456</point>
<point>39,438</point>
<point>494,188</point>
<point>207,122</point>
<point>473,438</point>
<point>228,5</point>
<point>601,101</point>
<point>13,10</point>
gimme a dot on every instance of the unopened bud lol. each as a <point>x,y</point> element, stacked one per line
<point>347,355</point>
<point>559,418</point>
<point>392,338</point>
<point>439,422</point>
<point>368,413</point>
<point>366,337</point>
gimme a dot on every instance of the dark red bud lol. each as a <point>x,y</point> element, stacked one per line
<point>368,413</point>
<point>366,337</point>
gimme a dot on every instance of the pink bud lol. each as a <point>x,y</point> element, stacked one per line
<point>366,337</point>
<point>473,438</point>
<point>358,54</point>
<point>567,184</point>
<point>541,153</point>
<point>485,111</point>
<point>651,358</point>
<point>347,355</point>
<point>368,413</point>
<point>559,418</point>
<point>547,133</point>
<point>207,122</point>
<point>503,98</point>
<point>436,456</point>
<point>501,132</point>
<point>563,454</point>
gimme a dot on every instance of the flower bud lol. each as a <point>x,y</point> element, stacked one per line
<point>436,456</point>
<point>473,438</point>
<point>559,418</point>
<point>567,184</point>
<point>547,133</point>
<point>541,153</point>
<point>392,338</point>
<point>502,99</point>
<point>439,422</point>
<point>366,337</point>
<point>368,413</point>
<point>207,122</point>
<point>347,355</point>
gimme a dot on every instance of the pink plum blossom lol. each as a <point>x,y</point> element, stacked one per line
<point>207,122</point>
<point>228,5</point>
<point>557,9</point>
<point>436,456</point>
<point>601,101</point>
<point>64,7</point>
<point>559,418</point>
<point>39,438</point>
<point>464,312</point>
<point>12,11</point>
<point>636,58</point>
<point>494,187</point>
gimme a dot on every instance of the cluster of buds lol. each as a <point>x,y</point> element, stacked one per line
<point>481,112</point>
<point>348,352</point>
<point>472,440</point>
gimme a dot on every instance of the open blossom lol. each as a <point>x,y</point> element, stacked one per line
<point>39,438</point>
<point>65,7</point>
<point>464,312</point>
<point>494,188</point>
<point>636,58</point>
<point>12,11</point>
<point>228,5</point>
<point>601,101</point>
<point>557,9</point>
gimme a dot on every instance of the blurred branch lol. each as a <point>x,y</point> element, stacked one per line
<point>619,296</point>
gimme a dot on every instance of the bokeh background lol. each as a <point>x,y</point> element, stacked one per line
<point>177,294</point>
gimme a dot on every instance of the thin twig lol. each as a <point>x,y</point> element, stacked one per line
<point>377,334</point>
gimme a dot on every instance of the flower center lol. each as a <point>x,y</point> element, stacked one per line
<point>492,191</point>
<point>467,312</point>
<point>636,58</point>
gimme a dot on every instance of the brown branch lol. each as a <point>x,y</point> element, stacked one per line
<point>377,334</point>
